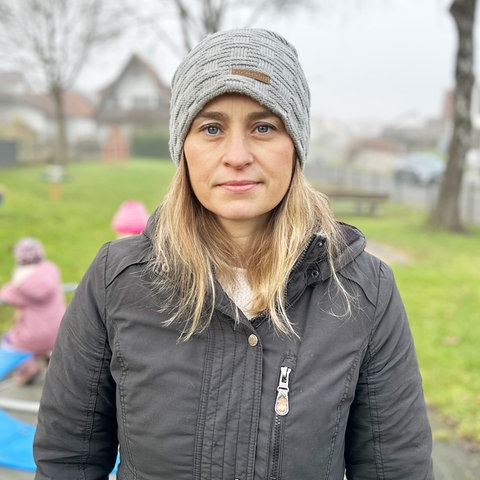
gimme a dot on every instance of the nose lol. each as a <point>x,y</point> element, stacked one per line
<point>237,152</point>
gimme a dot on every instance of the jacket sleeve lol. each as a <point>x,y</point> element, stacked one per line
<point>76,436</point>
<point>38,286</point>
<point>388,433</point>
<point>9,294</point>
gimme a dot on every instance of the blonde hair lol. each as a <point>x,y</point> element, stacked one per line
<point>191,249</point>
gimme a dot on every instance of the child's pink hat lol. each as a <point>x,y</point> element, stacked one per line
<point>130,218</point>
<point>28,251</point>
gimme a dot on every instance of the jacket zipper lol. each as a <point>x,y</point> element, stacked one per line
<point>281,403</point>
<point>282,407</point>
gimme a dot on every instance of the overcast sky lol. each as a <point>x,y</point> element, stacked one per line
<point>374,62</point>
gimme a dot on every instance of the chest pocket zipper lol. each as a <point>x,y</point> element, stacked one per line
<point>282,407</point>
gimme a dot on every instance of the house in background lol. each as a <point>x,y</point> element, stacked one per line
<point>134,106</point>
<point>21,109</point>
<point>13,83</point>
<point>415,132</point>
<point>81,124</point>
<point>25,110</point>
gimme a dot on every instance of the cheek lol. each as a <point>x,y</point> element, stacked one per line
<point>195,175</point>
<point>193,160</point>
<point>284,166</point>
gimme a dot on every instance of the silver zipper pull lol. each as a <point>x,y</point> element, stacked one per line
<point>281,403</point>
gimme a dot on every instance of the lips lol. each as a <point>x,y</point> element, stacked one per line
<point>239,186</point>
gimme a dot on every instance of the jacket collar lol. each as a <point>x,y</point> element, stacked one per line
<point>313,267</point>
<point>314,255</point>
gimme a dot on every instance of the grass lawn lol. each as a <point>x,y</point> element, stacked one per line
<point>440,284</point>
<point>75,226</point>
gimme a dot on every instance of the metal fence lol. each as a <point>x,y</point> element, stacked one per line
<point>422,197</point>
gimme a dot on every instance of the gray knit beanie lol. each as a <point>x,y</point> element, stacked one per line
<point>254,62</point>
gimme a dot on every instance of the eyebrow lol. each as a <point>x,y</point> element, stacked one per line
<point>260,115</point>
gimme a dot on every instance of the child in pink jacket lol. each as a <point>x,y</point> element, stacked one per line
<point>35,290</point>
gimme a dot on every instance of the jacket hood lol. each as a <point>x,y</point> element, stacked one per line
<point>354,245</point>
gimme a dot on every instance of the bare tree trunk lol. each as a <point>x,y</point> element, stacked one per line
<point>61,144</point>
<point>446,214</point>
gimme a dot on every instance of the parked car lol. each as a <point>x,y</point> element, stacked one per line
<point>419,168</point>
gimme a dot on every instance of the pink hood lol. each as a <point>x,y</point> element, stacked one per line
<point>40,304</point>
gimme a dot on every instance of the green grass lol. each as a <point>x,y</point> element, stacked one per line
<point>440,284</point>
<point>73,227</point>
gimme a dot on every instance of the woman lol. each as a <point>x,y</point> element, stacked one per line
<point>35,291</point>
<point>245,334</point>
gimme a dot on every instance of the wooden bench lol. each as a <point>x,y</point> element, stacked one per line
<point>364,202</point>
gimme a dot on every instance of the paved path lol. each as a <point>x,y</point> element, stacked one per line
<point>29,393</point>
<point>453,459</point>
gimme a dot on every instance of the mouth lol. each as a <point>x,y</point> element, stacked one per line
<point>239,186</point>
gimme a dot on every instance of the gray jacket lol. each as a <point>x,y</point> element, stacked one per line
<point>238,402</point>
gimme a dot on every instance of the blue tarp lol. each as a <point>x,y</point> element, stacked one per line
<point>16,444</point>
<point>16,437</point>
<point>9,360</point>
<point>16,440</point>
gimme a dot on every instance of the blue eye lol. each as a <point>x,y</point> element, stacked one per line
<point>264,128</point>
<point>211,129</point>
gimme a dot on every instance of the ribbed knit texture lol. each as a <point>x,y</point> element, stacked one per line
<point>209,71</point>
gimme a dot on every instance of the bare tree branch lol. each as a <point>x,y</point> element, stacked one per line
<point>196,19</point>
<point>53,39</point>
<point>185,21</point>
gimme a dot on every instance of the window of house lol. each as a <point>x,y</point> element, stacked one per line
<point>141,102</point>
<point>111,102</point>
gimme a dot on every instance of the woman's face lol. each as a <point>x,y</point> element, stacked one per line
<point>240,161</point>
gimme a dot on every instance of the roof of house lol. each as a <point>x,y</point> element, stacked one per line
<point>135,60</point>
<point>75,105</point>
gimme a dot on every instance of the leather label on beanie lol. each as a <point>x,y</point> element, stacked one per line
<point>261,77</point>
